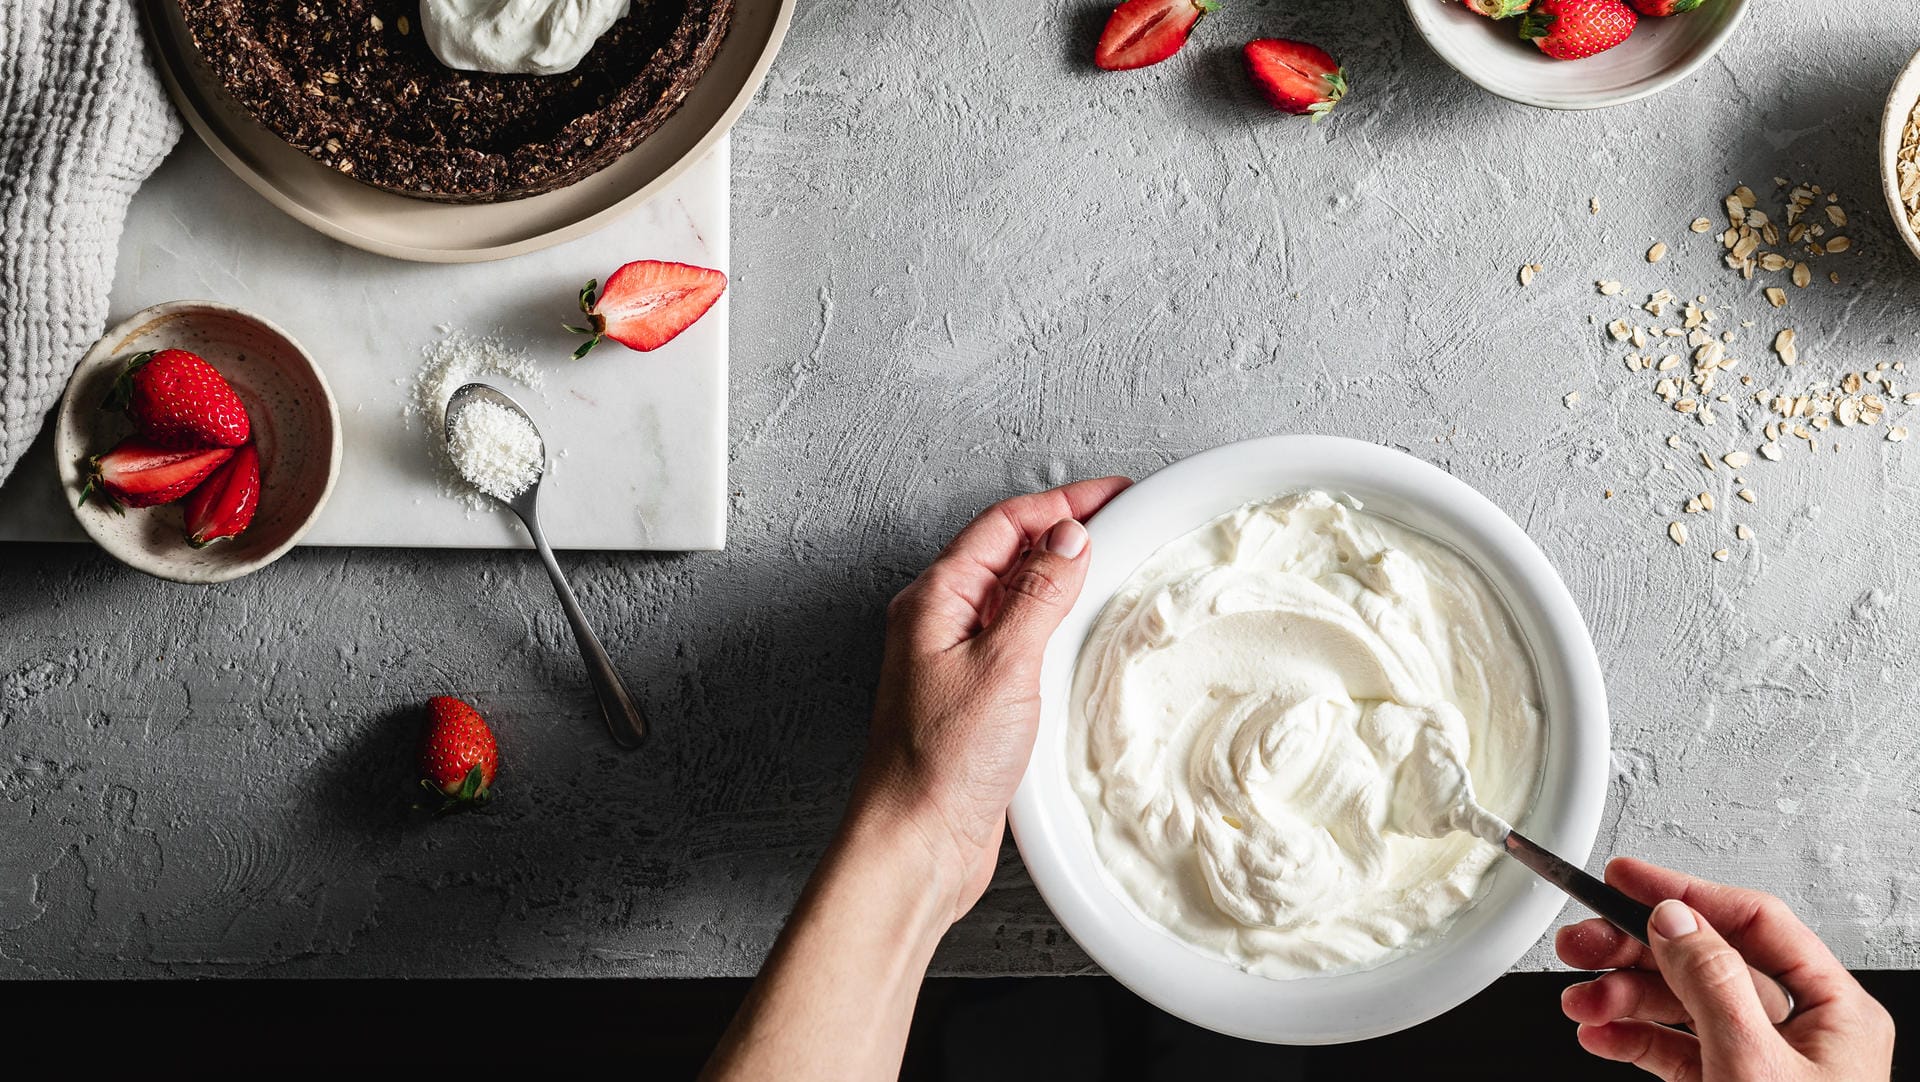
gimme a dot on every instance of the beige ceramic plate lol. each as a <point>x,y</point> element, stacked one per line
<point>418,229</point>
<point>296,427</point>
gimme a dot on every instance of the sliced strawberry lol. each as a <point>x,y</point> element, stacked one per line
<point>647,303</point>
<point>1143,32</point>
<point>176,399</point>
<point>135,473</point>
<point>224,504</point>
<point>1296,77</point>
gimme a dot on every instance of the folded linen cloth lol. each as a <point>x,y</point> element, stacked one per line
<point>83,121</point>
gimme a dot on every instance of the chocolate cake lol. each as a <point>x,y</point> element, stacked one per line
<point>353,83</point>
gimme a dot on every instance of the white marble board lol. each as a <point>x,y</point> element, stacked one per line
<point>638,440</point>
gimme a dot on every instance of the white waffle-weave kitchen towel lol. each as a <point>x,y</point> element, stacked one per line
<point>83,121</point>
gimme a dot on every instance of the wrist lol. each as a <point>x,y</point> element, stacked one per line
<point>902,866</point>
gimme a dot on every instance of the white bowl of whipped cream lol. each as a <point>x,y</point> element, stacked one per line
<point>1306,678</point>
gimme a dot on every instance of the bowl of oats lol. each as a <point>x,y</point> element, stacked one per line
<point>1900,153</point>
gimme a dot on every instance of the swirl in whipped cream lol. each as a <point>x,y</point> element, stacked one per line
<point>516,37</point>
<point>1281,726</point>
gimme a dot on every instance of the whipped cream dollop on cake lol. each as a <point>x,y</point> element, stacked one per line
<point>516,37</point>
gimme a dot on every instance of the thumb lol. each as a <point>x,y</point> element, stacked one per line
<point>1036,597</point>
<point>1712,981</point>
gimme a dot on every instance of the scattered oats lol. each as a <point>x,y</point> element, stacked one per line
<point>1607,287</point>
<point>401,24</point>
<point>1783,344</point>
<point>1670,362</point>
<point>1776,296</point>
<point>1593,205</point>
<point>1693,506</point>
<point>1706,500</point>
<point>1736,459</point>
<point>1674,442</point>
<point>1569,399</point>
<point>1897,434</point>
<point>1743,532</point>
<point>1746,494</point>
<point>374,21</point>
<point>1721,555</point>
<point>1685,405</point>
<point>1701,225</point>
<point>1839,244</point>
<point>1834,277</point>
<point>1527,271</point>
<point>1677,532</point>
<point>1770,451</point>
<point>1658,252</point>
<point>1910,397</point>
<point>1836,215</point>
<point>1620,330</point>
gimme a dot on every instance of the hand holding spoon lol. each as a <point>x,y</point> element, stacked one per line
<point>1622,912</point>
<point>623,718</point>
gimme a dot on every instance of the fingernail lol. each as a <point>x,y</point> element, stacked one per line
<point>1672,919</point>
<point>1067,538</point>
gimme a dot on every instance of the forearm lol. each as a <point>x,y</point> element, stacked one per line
<point>836,995</point>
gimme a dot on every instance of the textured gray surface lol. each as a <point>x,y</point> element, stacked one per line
<point>966,266</point>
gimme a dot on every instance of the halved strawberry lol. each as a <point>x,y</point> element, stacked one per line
<point>176,399</point>
<point>1659,8</point>
<point>136,473</point>
<point>224,504</point>
<point>1296,77</point>
<point>647,303</point>
<point>1143,32</point>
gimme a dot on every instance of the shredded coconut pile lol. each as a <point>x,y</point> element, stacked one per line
<point>457,359</point>
<point>496,449</point>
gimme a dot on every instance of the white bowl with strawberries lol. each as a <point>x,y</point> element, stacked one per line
<point>1576,54</point>
<point>197,442</point>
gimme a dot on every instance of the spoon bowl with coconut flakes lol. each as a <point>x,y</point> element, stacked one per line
<point>496,447</point>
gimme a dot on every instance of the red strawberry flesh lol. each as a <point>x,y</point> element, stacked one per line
<point>647,303</point>
<point>176,399</point>
<point>1295,77</point>
<point>136,473</point>
<point>1144,32</point>
<point>224,504</point>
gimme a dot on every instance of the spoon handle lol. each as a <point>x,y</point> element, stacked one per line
<point>1624,913</point>
<point>624,722</point>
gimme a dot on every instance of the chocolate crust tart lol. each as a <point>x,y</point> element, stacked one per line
<point>354,85</point>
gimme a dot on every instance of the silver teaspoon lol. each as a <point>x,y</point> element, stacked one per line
<point>623,718</point>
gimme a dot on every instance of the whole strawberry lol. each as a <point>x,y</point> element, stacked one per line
<point>457,756</point>
<point>1658,8</point>
<point>176,399</point>
<point>1296,77</point>
<point>1577,29</point>
<point>1501,9</point>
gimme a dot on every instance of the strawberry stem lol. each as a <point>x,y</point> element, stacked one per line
<point>1536,24</point>
<point>122,392</point>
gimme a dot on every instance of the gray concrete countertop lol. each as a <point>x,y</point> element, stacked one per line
<point>968,265</point>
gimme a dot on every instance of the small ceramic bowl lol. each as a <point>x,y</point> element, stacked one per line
<point>1514,908</point>
<point>1661,52</point>
<point>1893,130</point>
<point>296,427</point>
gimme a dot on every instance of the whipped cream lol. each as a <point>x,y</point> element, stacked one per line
<point>516,37</point>
<point>1290,727</point>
